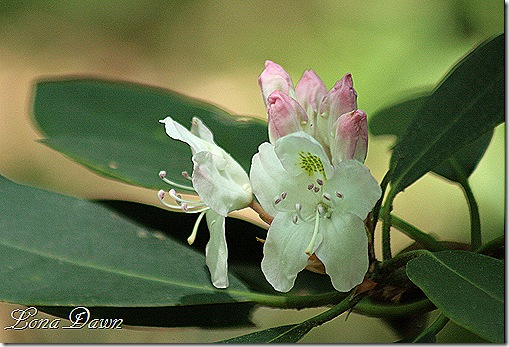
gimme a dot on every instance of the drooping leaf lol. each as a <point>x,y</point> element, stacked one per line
<point>62,251</point>
<point>468,288</point>
<point>113,128</point>
<point>466,106</point>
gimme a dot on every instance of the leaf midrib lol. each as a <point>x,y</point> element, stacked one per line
<point>466,279</point>
<point>118,272</point>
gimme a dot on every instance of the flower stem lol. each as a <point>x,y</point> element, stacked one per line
<point>435,327</point>
<point>475,220</point>
<point>267,218</point>
<point>427,241</point>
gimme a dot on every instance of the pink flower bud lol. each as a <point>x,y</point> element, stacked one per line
<point>310,91</point>
<point>350,137</point>
<point>285,115</point>
<point>342,98</point>
<point>273,78</point>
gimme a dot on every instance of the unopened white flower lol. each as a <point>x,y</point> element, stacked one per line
<point>318,208</point>
<point>222,186</point>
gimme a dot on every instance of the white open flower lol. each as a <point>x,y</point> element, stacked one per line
<point>221,184</point>
<point>318,208</point>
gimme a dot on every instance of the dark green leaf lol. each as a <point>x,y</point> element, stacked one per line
<point>113,128</point>
<point>466,106</point>
<point>467,287</point>
<point>283,334</point>
<point>394,120</point>
<point>62,251</point>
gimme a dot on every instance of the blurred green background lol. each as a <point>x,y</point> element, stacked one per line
<point>215,50</point>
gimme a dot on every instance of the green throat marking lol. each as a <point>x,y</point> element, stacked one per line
<point>311,164</point>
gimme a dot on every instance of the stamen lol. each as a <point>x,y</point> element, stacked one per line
<point>311,186</point>
<point>319,181</point>
<point>162,174</point>
<point>192,237</point>
<point>311,245</point>
<point>339,195</point>
<point>298,208</point>
<point>187,209</point>
<point>178,198</point>
<point>186,175</point>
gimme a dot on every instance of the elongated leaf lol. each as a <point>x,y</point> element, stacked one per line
<point>467,287</point>
<point>467,105</point>
<point>394,120</point>
<point>113,128</point>
<point>58,250</point>
<point>283,334</point>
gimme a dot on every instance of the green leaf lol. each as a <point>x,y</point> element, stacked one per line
<point>467,287</point>
<point>394,120</point>
<point>282,334</point>
<point>62,251</point>
<point>113,128</point>
<point>466,105</point>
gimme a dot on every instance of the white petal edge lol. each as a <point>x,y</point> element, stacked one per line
<point>222,184</point>
<point>284,251</point>
<point>344,250</point>
<point>216,251</point>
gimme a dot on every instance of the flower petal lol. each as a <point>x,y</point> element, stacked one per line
<point>199,129</point>
<point>285,116</point>
<point>178,132</point>
<point>301,154</point>
<point>350,139</point>
<point>267,176</point>
<point>221,182</point>
<point>310,91</point>
<point>359,190</point>
<point>216,251</point>
<point>274,77</point>
<point>342,98</point>
<point>284,251</point>
<point>344,250</point>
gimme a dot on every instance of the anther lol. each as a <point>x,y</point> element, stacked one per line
<point>319,181</point>
<point>311,186</point>
<point>277,201</point>
<point>316,189</point>
<point>327,196</point>
<point>160,194</point>
<point>162,174</point>
<point>185,175</point>
<point>184,207</point>
<point>295,219</point>
<point>283,195</point>
<point>339,195</point>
